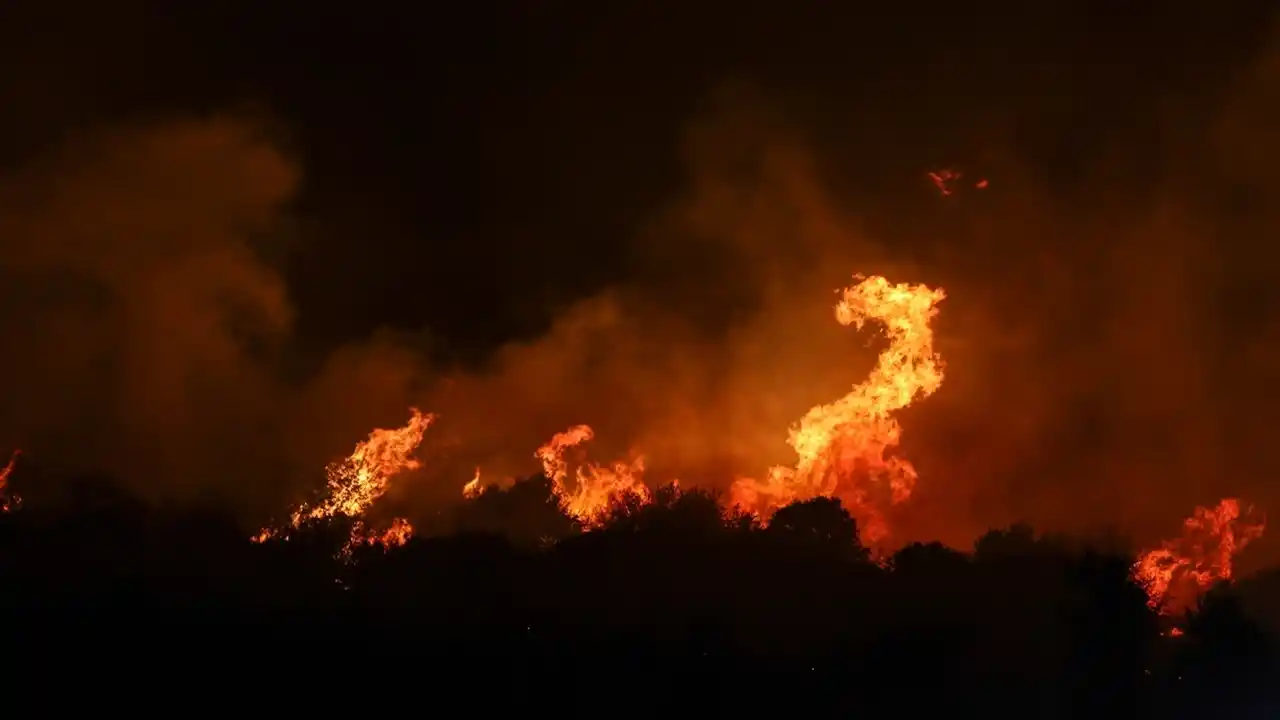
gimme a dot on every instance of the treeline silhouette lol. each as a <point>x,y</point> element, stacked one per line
<point>668,605</point>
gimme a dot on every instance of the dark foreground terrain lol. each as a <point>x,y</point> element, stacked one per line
<point>669,606</point>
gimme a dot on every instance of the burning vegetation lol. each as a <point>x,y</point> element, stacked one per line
<point>846,449</point>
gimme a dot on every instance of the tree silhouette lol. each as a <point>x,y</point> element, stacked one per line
<point>674,586</point>
<point>820,523</point>
<point>528,513</point>
<point>1225,660</point>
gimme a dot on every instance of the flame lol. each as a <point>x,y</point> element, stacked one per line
<point>843,446</point>
<point>358,480</point>
<point>594,485</point>
<point>472,488</point>
<point>398,534</point>
<point>394,536</point>
<point>8,500</point>
<point>1177,572</point>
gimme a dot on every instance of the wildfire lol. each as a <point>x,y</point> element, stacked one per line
<point>361,478</point>
<point>1177,572</point>
<point>844,447</point>
<point>594,485</point>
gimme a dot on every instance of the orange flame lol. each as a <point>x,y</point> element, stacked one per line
<point>595,486</point>
<point>843,446</point>
<point>1177,572</point>
<point>394,536</point>
<point>472,489</point>
<point>362,477</point>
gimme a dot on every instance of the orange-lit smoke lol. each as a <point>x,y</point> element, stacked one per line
<point>154,328</point>
<point>133,279</point>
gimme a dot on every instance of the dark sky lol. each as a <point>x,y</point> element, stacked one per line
<point>212,212</point>
<point>453,147</point>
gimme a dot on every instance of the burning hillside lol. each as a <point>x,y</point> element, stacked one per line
<point>847,449</point>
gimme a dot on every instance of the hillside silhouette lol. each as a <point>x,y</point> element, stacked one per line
<point>665,605</point>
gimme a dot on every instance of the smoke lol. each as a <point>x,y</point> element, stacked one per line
<point>147,337</point>
<point>1108,342</point>
<point>1107,338</point>
<point>723,338</point>
<point>139,321</point>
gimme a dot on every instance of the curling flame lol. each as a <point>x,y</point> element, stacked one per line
<point>595,486</point>
<point>843,446</point>
<point>362,477</point>
<point>1176,573</point>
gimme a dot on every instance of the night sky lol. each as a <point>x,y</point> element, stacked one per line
<point>442,180</point>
